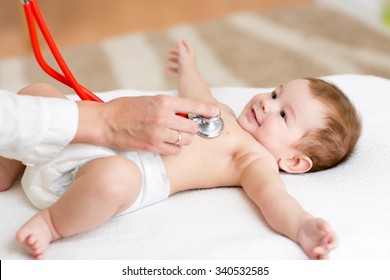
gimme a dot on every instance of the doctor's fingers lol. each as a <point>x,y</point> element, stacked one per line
<point>185,105</point>
<point>169,143</point>
<point>180,138</point>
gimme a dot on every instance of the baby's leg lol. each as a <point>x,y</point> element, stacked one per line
<point>11,169</point>
<point>103,188</point>
<point>191,84</point>
<point>41,89</point>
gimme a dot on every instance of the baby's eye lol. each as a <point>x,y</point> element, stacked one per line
<point>283,114</point>
<point>273,95</point>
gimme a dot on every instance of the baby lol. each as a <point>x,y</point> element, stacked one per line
<point>303,125</point>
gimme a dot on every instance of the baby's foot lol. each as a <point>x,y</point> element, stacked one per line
<point>317,238</point>
<point>37,234</point>
<point>182,56</point>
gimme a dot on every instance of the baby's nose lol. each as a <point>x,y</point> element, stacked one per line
<point>267,106</point>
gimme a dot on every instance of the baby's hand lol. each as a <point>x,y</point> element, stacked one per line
<point>184,55</point>
<point>317,238</point>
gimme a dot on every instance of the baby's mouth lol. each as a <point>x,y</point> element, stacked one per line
<point>255,117</point>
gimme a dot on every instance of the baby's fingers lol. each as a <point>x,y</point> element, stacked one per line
<point>319,253</point>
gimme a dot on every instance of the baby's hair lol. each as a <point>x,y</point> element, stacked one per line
<point>330,145</point>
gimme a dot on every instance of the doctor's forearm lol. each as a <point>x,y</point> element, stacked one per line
<point>91,125</point>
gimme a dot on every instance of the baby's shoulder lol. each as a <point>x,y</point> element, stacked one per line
<point>254,154</point>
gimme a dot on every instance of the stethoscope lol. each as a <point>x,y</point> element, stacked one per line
<point>208,127</point>
<point>33,12</point>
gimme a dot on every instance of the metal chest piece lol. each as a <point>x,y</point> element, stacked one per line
<point>208,127</point>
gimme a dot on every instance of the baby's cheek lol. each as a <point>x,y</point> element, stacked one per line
<point>269,136</point>
<point>269,131</point>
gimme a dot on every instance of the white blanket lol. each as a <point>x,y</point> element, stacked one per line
<point>223,224</point>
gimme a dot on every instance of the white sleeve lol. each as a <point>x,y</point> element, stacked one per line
<point>35,129</point>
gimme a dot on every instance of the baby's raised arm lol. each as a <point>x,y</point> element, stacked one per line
<point>261,181</point>
<point>191,84</point>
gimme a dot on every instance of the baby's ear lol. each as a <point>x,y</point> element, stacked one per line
<point>295,164</point>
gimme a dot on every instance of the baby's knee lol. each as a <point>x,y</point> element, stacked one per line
<point>41,89</point>
<point>120,181</point>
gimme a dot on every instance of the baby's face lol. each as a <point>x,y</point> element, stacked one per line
<point>279,119</point>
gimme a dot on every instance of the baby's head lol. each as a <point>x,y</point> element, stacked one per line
<point>307,124</point>
<point>334,142</point>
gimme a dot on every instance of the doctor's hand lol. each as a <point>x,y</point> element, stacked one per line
<point>146,123</point>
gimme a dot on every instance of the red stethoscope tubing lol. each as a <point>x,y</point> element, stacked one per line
<point>33,14</point>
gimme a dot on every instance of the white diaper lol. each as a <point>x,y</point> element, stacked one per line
<point>155,186</point>
<point>45,183</point>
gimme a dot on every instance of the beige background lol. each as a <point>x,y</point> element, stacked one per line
<point>82,21</point>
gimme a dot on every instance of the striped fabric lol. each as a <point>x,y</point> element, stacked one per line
<point>250,49</point>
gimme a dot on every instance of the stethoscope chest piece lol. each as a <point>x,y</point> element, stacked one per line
<point>208,127</point>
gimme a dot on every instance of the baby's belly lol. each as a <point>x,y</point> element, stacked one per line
<point>186,172</point>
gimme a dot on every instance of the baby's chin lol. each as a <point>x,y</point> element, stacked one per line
<point>243,124</point>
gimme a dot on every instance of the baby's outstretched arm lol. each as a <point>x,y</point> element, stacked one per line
<point>262,183</point>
